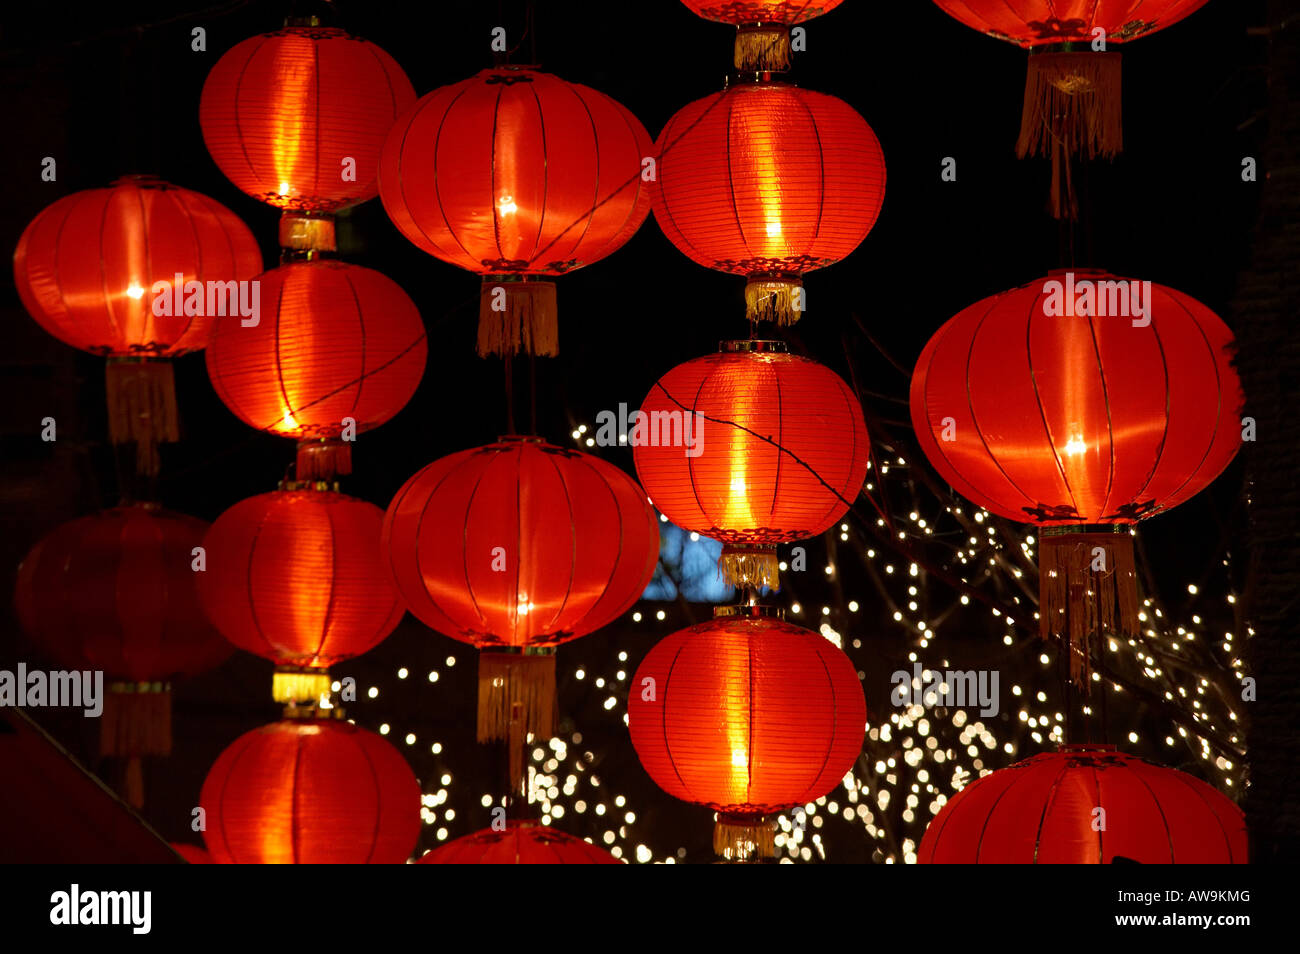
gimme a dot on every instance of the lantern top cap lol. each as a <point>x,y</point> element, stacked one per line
<point>144,180</point>
<point>748,610</point>
<point>520,439</point>
<point>752,345</point>
<point>1087,747</point>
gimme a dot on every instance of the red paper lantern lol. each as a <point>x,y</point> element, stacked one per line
<point>296,118</point>
<point>337,343</point>
<point>768,181</point>
<point>1044,405</point>
<point>191,853</point>
<point>517,176</point>
<point>1072,101</point>
<point>763,26</point>
<point>516,547</point>
<point>96,269</point>
<point>520,843</point>
<point>116,591</point>
<point>747,715</point>
<point>310,791</point>
<point>296,576</point>
<point>782,452</point>
<point>1044,810</point>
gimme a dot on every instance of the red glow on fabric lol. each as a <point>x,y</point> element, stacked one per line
<point>1032,23</point>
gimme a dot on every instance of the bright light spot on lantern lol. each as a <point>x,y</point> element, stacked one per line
<point>506,205</point>
<point>738,486</point>
<point>739,757</point>
<point>135,291</point>
<point>284,188</point>
<point>773,229</point>
<point>1075,445</point>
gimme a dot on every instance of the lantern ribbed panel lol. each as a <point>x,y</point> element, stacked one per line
<point>115,591</point>
<point>515,171</point>
<point>577,544</point>
<point>784,454</point>
<point>1042,811</point>
<point>1032,23</point>
<point>521,843</point>
<point>1076,419</point>
<point>282,111</point>
<point>334,341</point>
<point>310,792</point>
<point>749,715</point>
<point>85,267</point>
<point>296,577</point>
<point>761,11</point>
<point>768,178</point>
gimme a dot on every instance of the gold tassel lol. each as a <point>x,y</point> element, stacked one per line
<point>762,48</point>
<point>1078,602</point>
<point>137,720</point>
<point>517,315</point>
<point>323,459</point>
<point>516,699</point>
<point>307,232</point>
<point>774,298</point>
<point>302,686</point>
<point>1073,107</point>
<point>742,837</point>
<point>750,565</point>
<point>142,407</point>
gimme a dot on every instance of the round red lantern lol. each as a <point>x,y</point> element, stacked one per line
<point>106,271</point>
<point>339,343</point>
<point>520,843</point>
<point>762,27</point>
<point>310,791</point>
<point>1080,401</point>
<point>768,181</point>
<point>296,118</point>
<point>774,449</point>
<point>1045,810</point>
<point>1072,101</point>
<point>116,591</point>
<point>516,547</point>
<point>517,176</point>
<point>747,715</point>
<point>296,576</point>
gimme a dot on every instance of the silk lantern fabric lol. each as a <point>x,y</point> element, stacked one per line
<point>1044,810</point>
<point>296,576</point>
<point>768,181</point>
<point>520,843</point>
<point>296,118</point>
<point>747,715</point>
<point>1035,23</point>
<point>783,452</point>
<point>335,342</point>
<point>310,791</point>
<point>516,175</point>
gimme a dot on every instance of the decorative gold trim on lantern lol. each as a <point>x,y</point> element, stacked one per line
<point>772,298</point>
<point>753,565</point>
<point>743,837</point>
<point>307,232</point>
<point>762,48</point>
<point>526,322</point>
<point>752,346</point>
<point>749,610</point>
<point>300,685</point>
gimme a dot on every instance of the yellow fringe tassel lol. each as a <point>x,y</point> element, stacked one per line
<point>1079,601</point>
<point>516,699</point>
<point>750,566</point>
<point>762,48</point>
<point>307,232</point>
<point>743,837</point>
<point>774,299</point>
<point>323,459</point>
<point>142,407</point>
<point>300,685</point>
<point>1073,107</point>
<point>517,316</point>
<point>137,720</point>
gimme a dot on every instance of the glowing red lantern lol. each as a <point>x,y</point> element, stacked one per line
<point>747,715</point>
<point>296,118</point>
<point>339,344</point>
<point>1078,401</point>
<point>517,176</point>
<point>768,181</point>
<point>762,27</point>
<point>517,547</point>
<point>116,591</point>
<point>1047,809</point>
<point>310,791</point>
<point>780,452</point>
<point>520,843</point>
<point>97,268</point>
<point>1072,97</point>
<point>295,576</point>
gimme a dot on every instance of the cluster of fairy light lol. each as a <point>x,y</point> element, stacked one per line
<point>917,757</point>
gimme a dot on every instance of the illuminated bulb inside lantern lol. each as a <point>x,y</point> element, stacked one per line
<point>773,229</point>
<point>525,606</point>
<point>738,486</point>
<point>135,291</point>
<point>506,205</point>
<point>739,757</point>
<point>284,188</point>
<point>288,424</point>
<point>1076,446</point>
